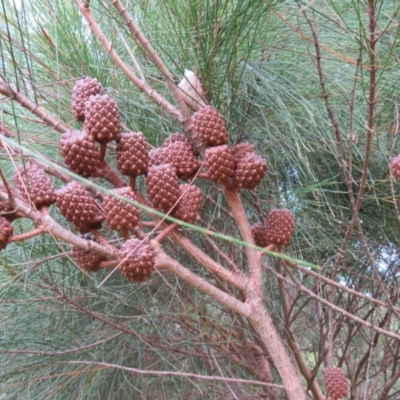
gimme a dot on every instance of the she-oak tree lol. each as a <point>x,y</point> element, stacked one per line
<point>176,233</point>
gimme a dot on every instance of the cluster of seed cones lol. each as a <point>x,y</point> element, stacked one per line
<point>169,172</point>
<point>277,231</point>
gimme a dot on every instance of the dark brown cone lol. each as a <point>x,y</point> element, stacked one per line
<point>121,215</point>
<point>180,137</point>
<point>33,184</point>
<point>6,231</point>
<point>87,260</point>
<point>220,164</point>
<point>242,149</point>
<point>250,171</point>
<point>83,89</point>
<point>136,260</point>
<point>395,167</point>
<point>80,153</point>
<point>132,154</point>
<point>210,126</point>
<point>160,156</point>
<point>190,198</point>
<point>183,160</point>
<point>102,118</point>
<point>259,234</point>
<point>162,186</point>
<point>335,383</point>
<point>78,206</point>
<point>279,227</point>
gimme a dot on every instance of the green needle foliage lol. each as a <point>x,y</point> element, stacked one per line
<point>69,334</point>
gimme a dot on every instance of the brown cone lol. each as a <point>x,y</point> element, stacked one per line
<point>259,234</point>
<point>279,228</point>
<point>395,167</point>
<point>132,154</point>
<point>80,153</point>
<point>335,383</point>
<point>220,164</point>
<point>7,212</point>
<point>210,126</point>
<point>83,89</point>
<point>179,137</point>
<point>6,231</point>
<point>102,118</point>
<point>78,206</point>
<point>250,171</point>
<point>162,186</point>
<point>87,260</point>
<point>190,198</point>
<point>121,215</point>
<point>183,160</point>
<point>33,184</point>
<point>242,149</point>
<point>160,156</point>
<point>136,260</point>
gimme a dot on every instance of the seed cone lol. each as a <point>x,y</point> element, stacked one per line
<point>78,206</point>
<point>179,137</point>
<point>136,260</point>
<point>210,126</point>
<point>250,171</point>
<point>189,204</point>
<point>160,156</point>
<point>395,167</point>
<point>80,153</point>
<point>162,186</point>
<point>242,149</point>
<point>220,164</point>
<point>335,383</point>
<point>279,227</point>
<point>83,89</point>
<point>33,184</point>
<point>7,212</point>
<point>102,118</point>
<point>6,231</point>
<point>87,260</point>
<point>132,154</point>
<point>183,159</point>
<point>259,232</point>
<point>121,215</point>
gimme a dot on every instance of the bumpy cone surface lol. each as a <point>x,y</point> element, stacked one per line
<point>179,137</point>
<point>7,212</point>
<point>259,232</point>
<point>242,149</point>
<point>189,204</point>
<point>250,171</point>
<point>78,206</point>
<point>136,260</point>
<point>183,160</point>
<point>33,183</point>
<point>83,89</point>
<point>210,126</point>
<point>220,164</point>
<point>335,383</point>
<point>162,186</point>
<point>121,215</point>
<point>80,152</point>
<point>132,154</point>
<point>395,167</point>
<point>87,260</point>
<point>102,118</point>
<point>279,227</point>
<point>160,156</point>
<point>6,231</point>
